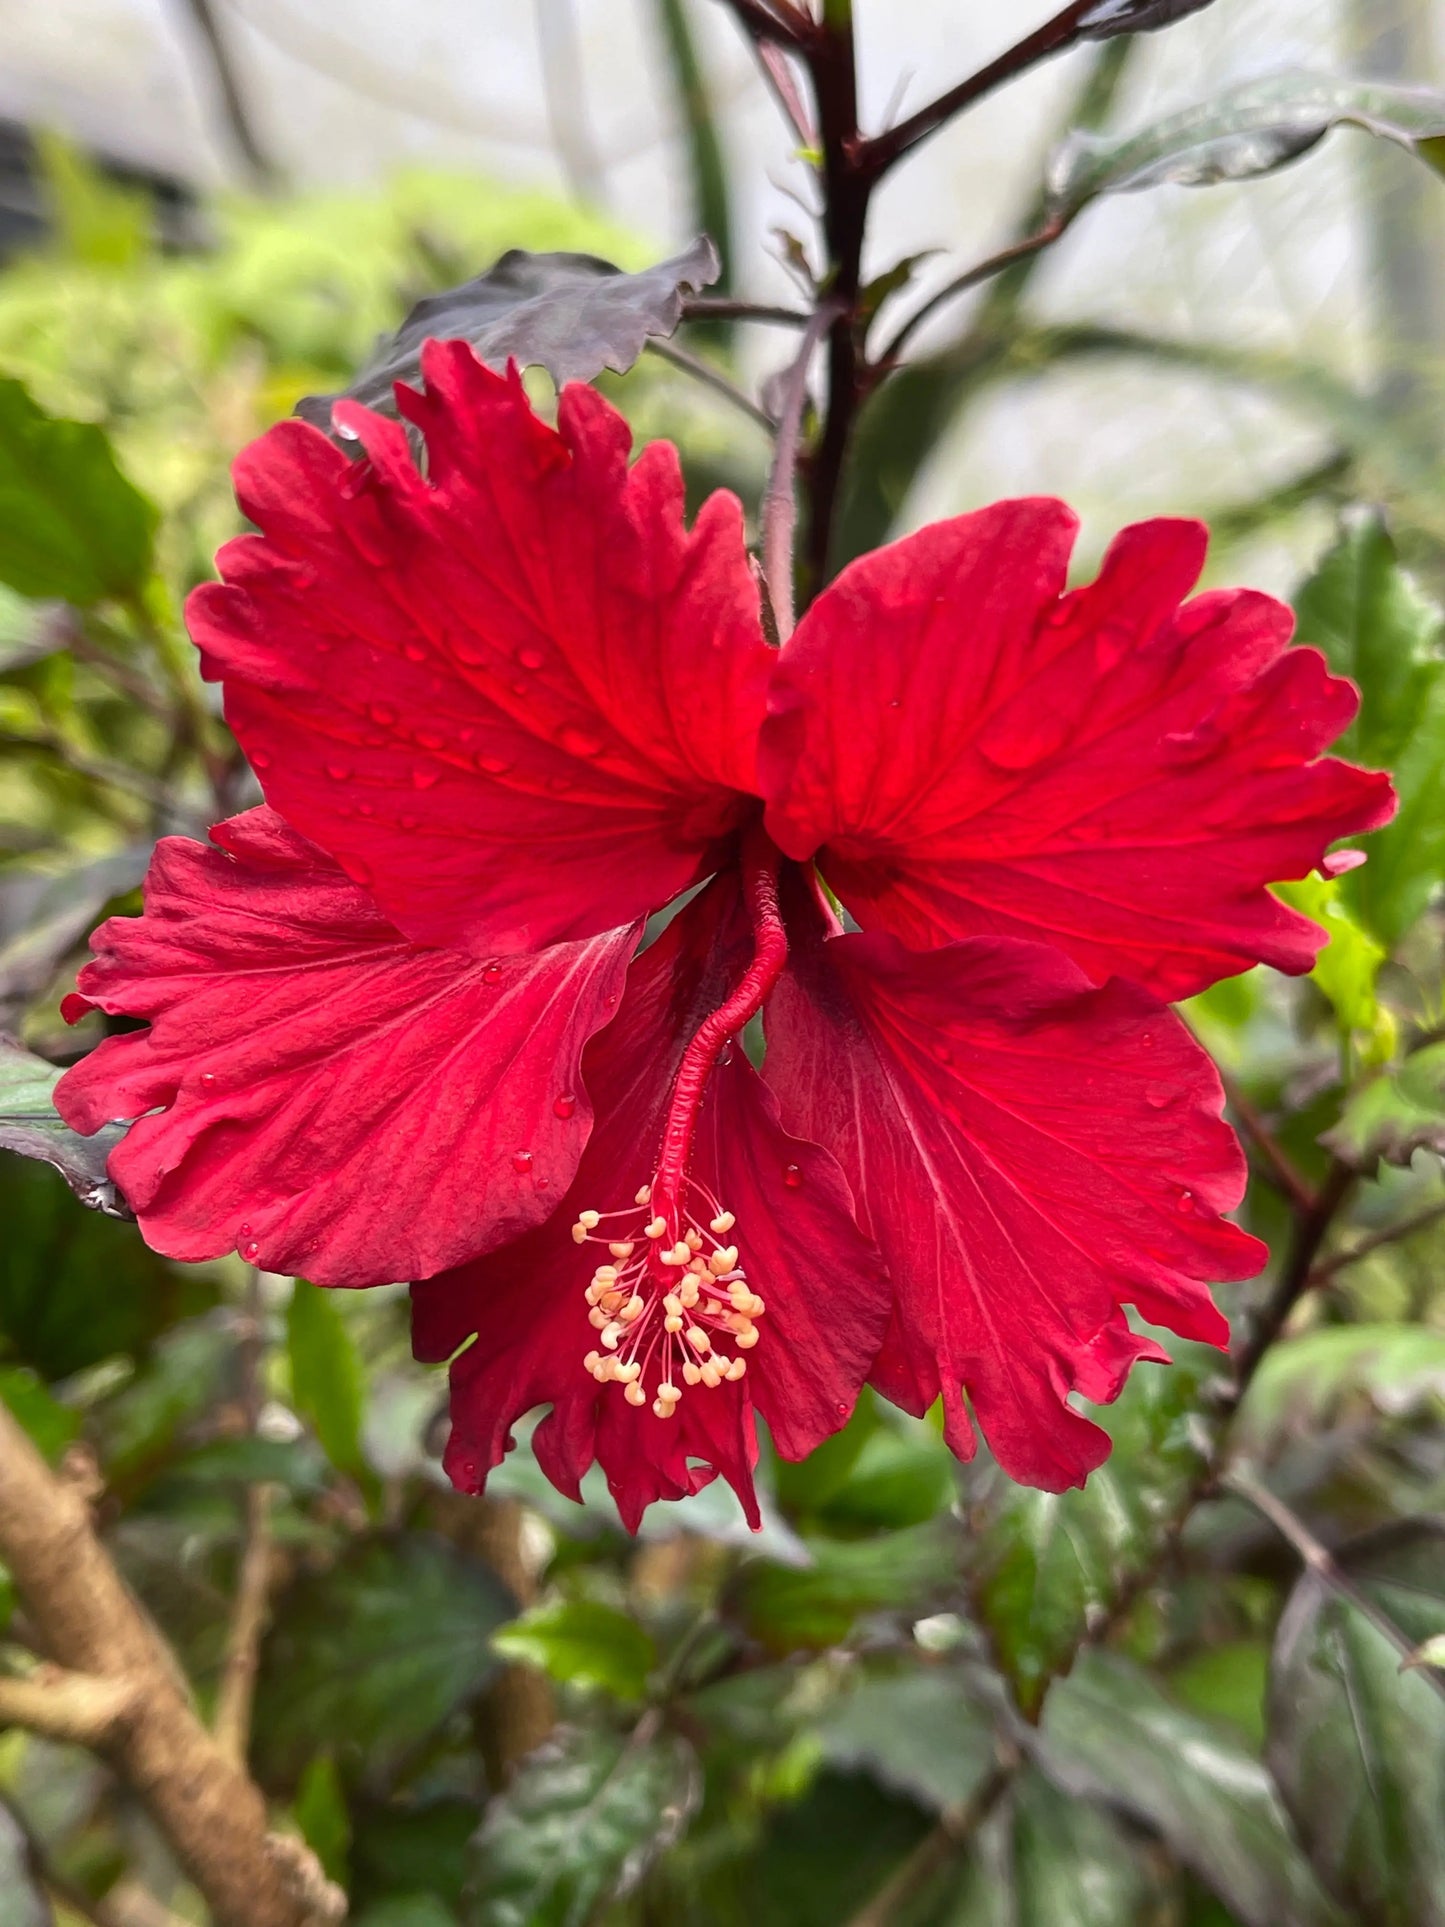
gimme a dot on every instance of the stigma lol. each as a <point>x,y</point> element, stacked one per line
<point>671,1304</point>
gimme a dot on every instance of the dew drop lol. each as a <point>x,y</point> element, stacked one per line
<point>520,689</point>
<point>381,713</point>
<point>338,772</point>
<point>413,651</point>
<point>564,1105</point>
<point>492,975</point>
<point>429,739</point>
<point>408,822</point>
<point>366,809</point>
<point>1159,1097</point>
<point>1186,1203</point>
<point>423,776</point>
<point>208,1078</point>
<point>244,1232</point>
<point>251,1250</point>
<point>896,703</point>
<point>531,658</point>
<point>792,1176</point>
<point>260,760</point>
<point>493,765</point>
<point>1112,642</point>
<point>580,742</point>
<point>521,1162</point>
<point>542,1183</point>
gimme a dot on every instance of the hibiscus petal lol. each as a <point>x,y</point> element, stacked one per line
<point>516,698</point>
<point>826,1293</point>
<point>1031,1154</point>
<point>314,1090</point>
<point>975,752</point>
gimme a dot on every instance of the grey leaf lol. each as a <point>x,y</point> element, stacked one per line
<point>1248,131</point>
<point>1110,18</point>
<point>572,314</point>
<point>31,1127</point>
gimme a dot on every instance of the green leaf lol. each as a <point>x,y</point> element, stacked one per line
<point>22,1902</point>
<point>1110,1733</point>
<point>583,1820</point>
<point>421,1846</point>
<point>405,1910</point>
<point>31,1126</point>
<point>72,527</point>
<point>77,1287</point>
<point>59,910</point>
<point>1357,1743</point>
<point>50,1424</point>
<point>1245,132</point>
<point>917,1731</point>
<point>1430,1652</point>
<point>1045,1860</point>
<point>1305,1385</point>
<point>583,1643</point>
<point>1047,1566</point>
<point>374,1656</point>
<point>96,220</point>
<point>899,1479</point>
<point>1348,966</point>
<point>790,1609</point>
<point>320,1812</point>
<point>1396,1114</point>
<point>328,1386</point>
<point>1377,626</point>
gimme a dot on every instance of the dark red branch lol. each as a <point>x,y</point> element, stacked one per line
<point>1065,30</point>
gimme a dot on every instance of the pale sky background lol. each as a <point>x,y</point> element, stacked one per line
<point>342,90</point>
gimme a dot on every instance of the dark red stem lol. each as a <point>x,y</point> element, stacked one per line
<point>760,863</point>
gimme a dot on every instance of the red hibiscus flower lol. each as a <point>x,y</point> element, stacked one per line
<point>403,1021</point>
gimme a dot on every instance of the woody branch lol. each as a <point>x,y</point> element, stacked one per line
<point>121,1692</point>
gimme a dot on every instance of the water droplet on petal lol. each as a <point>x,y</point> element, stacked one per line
<point>408,822</point>
<point>1186,1203</point>
<point>1112,643</point>
<point>1185,746</point>
<point>244,1232</point>
<point>1159,1097</point>
<point>413,651</point>
<point>792,1176</point>
<point>338,772</point>
<point>521,1162</point>
<point>492,975</point>
<point>564,1105</point>
<point>259,759</point>
<point>531,658</point>
<point>208,1078</point>
<point>429,739</point>
<point>580,742</point>
<point>381,713</point>
<point>493,765</point>
<point>423,776</point>
<point>251,1250</point>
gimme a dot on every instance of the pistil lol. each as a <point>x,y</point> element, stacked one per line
<point>673,1289</point>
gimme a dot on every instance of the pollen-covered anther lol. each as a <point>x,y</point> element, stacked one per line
<point>670,1295</point>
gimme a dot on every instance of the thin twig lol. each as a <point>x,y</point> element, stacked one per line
<point>955,1828</point>
<point>975,277</point>
<point>75,1707</point>
<point>233,99</point>
<point>1393,1234</point>
<point>1282,1170</point>
<point>1310,1231</point>
<point>786,26</point>
<point>780,500</point>
<point>249,1613</point>
<point>1054,37</point>
<point>721,307</point>
<point>1319,1560</point>
<point>714,378</point>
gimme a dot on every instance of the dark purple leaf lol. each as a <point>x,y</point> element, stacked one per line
<point>572,314</point>
<point>1108,18</point>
